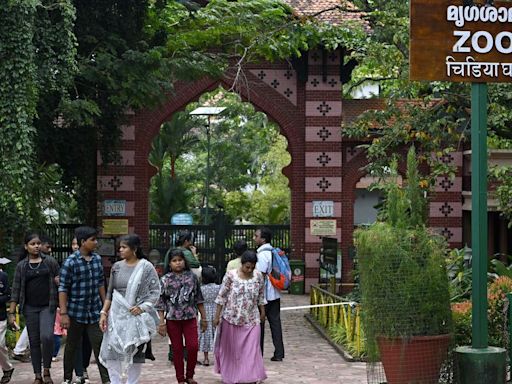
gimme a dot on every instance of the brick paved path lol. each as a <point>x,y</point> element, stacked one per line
<point>309,359</point>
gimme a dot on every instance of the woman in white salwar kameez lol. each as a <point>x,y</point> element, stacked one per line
<point>128,318</point>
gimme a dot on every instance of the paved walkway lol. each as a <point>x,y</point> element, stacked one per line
<point>309,359</point>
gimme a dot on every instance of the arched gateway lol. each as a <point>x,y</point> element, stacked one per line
<point>305,99</point>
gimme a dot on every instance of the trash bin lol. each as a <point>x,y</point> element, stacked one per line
<point>298,268</point>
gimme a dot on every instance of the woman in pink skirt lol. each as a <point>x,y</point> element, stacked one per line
<point>241,302</point>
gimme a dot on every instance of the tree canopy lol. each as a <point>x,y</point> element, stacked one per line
<point>435,116</point>
<point>247,155</point>
<point>71,69</point>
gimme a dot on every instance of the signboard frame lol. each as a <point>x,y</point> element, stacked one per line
<point>450,41</point>
<point>114,208</point>
<point>323,208</point>
<point>322,227</point>
<point>115,226</point>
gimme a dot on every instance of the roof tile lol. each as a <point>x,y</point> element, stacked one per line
<point>334,16</point>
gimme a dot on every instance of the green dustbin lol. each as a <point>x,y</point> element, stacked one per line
<point>298,276</point>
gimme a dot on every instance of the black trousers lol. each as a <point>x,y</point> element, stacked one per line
<point>273,315</point>
<point>75,332</point>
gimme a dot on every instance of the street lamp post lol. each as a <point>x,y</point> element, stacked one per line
<point>208,112</point>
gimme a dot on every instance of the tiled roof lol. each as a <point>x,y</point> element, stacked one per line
<point>336,16</point>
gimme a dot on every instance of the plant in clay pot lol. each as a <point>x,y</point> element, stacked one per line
<point>404,285</point>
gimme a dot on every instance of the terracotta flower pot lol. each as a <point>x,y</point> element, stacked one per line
<point>416,360</point>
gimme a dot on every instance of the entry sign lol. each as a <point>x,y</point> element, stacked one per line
<point>114,207</point>
<point>323,208</point>
<point>450,41</point>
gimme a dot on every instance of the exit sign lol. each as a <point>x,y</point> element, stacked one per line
<point>323,208</point>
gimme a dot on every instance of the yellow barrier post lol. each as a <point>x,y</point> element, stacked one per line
<point>358,331</point>
<point>17,318</point>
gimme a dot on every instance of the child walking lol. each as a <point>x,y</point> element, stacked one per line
<point>58,332</point>
<point>210,290</point>
<point>177,307</point>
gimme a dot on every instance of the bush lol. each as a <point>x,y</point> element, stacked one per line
<point>497,316</point>
<point>461,314</point>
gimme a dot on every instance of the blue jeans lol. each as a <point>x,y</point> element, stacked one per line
<point>56,344</point>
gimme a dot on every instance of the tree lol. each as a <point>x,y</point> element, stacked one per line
<point>438,118</point>
<point>130,53</point>
<point>177,138</point>
<point>36,62</point>
<point>247,156</point>
<point>70,70</point>
<point>167,193</point>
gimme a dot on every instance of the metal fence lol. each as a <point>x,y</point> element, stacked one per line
<point>62,235</point>
<point>214,242</point>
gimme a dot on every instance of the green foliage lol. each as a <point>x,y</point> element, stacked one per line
<point>403,276</point>
<point>36,61</point>
<point>437,121</point>
<point>167,196</point>
<point>497,311</point>
<point>502,176</point>
<point>247,155</point>
<point>254,30</point>
<point>459,275</point>
<point>497,315</point>
<point>338,334</point>
<point>461,315</point>
<point>501,269</point>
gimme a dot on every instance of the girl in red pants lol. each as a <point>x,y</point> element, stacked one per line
<point>179,302</point>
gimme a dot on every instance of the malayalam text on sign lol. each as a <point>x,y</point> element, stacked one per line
<point>454,42</point>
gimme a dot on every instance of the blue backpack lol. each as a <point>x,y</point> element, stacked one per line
<point>281,273</point>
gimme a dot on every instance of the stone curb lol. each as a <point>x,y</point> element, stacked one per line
<point>346,356</point>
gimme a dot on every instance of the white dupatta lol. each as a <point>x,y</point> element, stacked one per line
<point>126,332</point>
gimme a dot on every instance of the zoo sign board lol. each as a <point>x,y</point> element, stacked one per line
<point>450,41</point>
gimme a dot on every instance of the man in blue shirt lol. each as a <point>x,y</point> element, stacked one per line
<point>81,297</point>
<point>262,238</point>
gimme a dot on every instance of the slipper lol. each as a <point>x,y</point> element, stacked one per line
<point>7,376</point>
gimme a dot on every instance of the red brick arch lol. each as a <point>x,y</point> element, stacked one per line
<point>283,113</point>
<point>309,114</point>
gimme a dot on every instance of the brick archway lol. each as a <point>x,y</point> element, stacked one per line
<point>323,167</point>
<point>308,112</point>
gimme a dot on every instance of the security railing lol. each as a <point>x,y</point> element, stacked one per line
<point>342,321</point>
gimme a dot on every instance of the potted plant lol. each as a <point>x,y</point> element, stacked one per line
<point>404,285</point>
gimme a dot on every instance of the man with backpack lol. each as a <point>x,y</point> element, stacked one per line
<point>262,238</point>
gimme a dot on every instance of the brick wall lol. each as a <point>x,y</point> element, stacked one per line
<point>323,167</point>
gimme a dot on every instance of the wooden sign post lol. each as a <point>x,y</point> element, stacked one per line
<point>457,41</point>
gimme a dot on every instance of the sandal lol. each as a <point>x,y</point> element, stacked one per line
<point>7,376</point>
<point>47,379</point>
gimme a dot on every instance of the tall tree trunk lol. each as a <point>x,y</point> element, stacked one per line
<point>173,167</point>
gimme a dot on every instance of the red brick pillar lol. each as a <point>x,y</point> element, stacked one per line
<point>323,160</point>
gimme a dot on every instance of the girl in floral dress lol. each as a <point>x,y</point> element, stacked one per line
<point>210,290</point>
<point>241,303</point>
<point>179,302</point>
